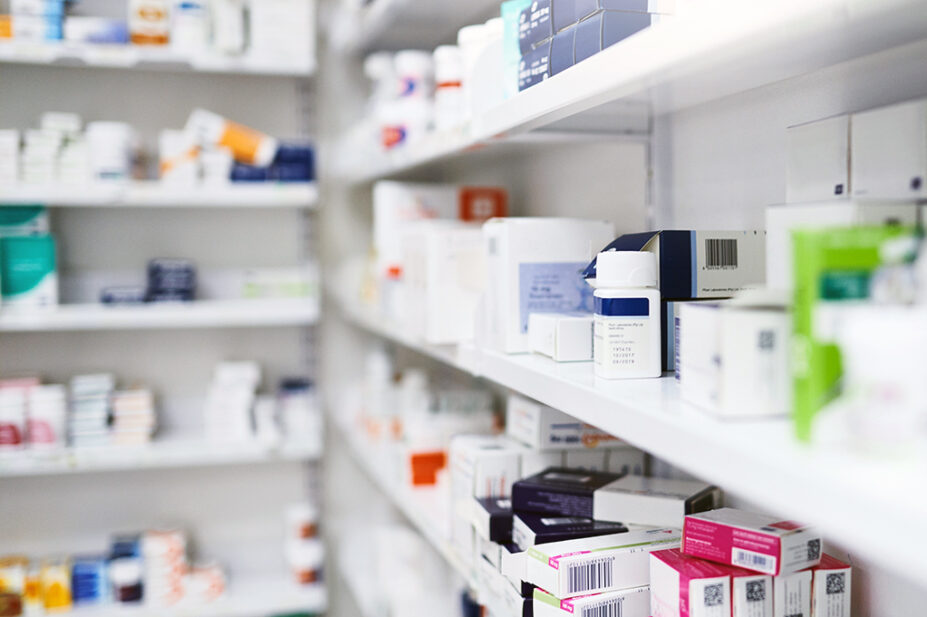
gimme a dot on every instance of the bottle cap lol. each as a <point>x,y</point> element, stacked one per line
<point>626,269</point>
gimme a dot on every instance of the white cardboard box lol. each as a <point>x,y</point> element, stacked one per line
<point>781,220</point>
<point>443,264</point>
<point>535,265</point>
<point>819,160</point>
<point>595,565</point>
<point>889,152</point>
<point>699,350</point>
<point>624,603</point>
<point>831,588</point>
<point>792,594</point>
<point>545,428</point>
<point>563,337</point>
<point>653,501</point>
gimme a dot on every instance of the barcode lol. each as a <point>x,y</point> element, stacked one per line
<point>714,595</point>
<point>814,550</point>
<point>609,608</point>
<point>753,561</point>
<point>756,591</point>
<point>836,583</point>
<point>720,253</point>
<point>590,575</point>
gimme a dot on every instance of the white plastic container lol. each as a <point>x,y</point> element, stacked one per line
<point>190,26</point>
<point>246,144</point>
<point>449,94</point>
<point>414,71</point>
<point>627,316</point>
<point>471,40</point>
<point>228,26</point>
<point>178,157</point>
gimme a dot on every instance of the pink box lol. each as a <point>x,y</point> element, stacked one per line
<point>684,586</point>
<point>752,541</point>
<point>830,595</point>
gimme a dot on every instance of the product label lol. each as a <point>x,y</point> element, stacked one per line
<point>739,547</point>
<point>621,332</point>
<point>552,288</point>
<point>10,435</point>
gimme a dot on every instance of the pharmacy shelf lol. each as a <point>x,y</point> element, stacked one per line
<point>69,54</point>
<point>360,589</point>
<point>758,460</point>
<point>160,195</point>
<point>157,455</point>
<point>403,24</point>
<point>245,598</point>
<point>420,506</point>
<point>725,47</point>
<point>200,314</point>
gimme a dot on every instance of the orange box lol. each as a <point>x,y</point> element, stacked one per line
<point>6,27</point>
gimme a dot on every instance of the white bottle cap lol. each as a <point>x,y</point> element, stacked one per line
<point>626,269</point>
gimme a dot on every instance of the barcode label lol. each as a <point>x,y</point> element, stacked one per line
<point>714,595</point>
<point>590,575</point>
<point>608,608</point>
<point>720,254</point>
<point>753,561</point>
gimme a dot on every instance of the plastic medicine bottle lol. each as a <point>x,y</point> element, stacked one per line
<point>626,340</point>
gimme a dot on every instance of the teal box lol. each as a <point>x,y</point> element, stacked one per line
<point>28,271</point>
<point>24,220</point>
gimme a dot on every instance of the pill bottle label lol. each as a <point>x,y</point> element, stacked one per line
<point>622,334</point>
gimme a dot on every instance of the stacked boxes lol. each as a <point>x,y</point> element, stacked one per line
<point>37,20</point>
<point>90,409</point>
<point>556,34</point>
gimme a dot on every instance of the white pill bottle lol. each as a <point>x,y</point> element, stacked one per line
<point>627,340</point>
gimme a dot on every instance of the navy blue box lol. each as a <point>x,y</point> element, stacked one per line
<point>249,173</point>
<point>534,67</point>
<point>563,14</point>
<point>495,519</point>
<point>559,490</point>
<point>129,294</point>
<point>584,8</point>
<point>561,51</point>
<point>535,26</point>
<point>293,162</point>
<point>606,28</point>
<point>531,529</point>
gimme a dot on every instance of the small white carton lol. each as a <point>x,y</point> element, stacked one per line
<point>624,603</point>
<point>596,565</point>
<point>792,594</point>
<point>545,428</point>
<point>889,152</point>
<point>819,160</point>
<point>831,587</point>
<point>563,337</point>
<point>653,501</point>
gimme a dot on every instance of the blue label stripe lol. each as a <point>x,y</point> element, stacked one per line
<point>622,307</point>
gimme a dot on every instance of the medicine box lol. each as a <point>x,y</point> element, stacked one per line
<point>605,28</point>
<point>889,152</point>
<point>535,265</point>
<point>782,220</point>
<point>694,265</point>
<point>492,519</point>
<point>653,501</point>
<point>28,271</point>
<point>831,588</point>
<point>596,565</point>
<point>563,14</point>
<point>561,337</point>
<point>536,26</point>
<point>683,586</point>
<point>529,528</point>
<point>541,427</point>
<point>397,203</point>
<point>37,27</point>
<point>561,51</point>
<point>564,492</point>
<point>624,603</point>
<point>516,605</point>
<point>792,594</point>
<point>818,161</point>
<point>37,7</point>
<point>698,371</point>
<point>753,541</point>
<point>585,8</point>
<point>25,220</point>
<point>443,265</point>
<point>534,66</point>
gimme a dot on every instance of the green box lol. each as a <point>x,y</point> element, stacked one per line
<point>830,266</point>
<point>28,274</point>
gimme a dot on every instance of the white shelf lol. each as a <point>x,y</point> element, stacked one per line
<point>245,598</point>
<point>157,455</point>
<point>758,460</point>
<point>420,506</point>
<point>146,58</point>
<point>200,314</point>
<point>417,24</point>
<point>159,195</point>
<point>720,48</point>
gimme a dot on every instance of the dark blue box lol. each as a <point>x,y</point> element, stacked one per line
<point>534,66</point>
<point>562,14</point>
<point>584,8</point>
<point>561,51</point>
<point>606,28</point>
<point>249,173</point>
<point>531,529</point>
<point>535,26</point>
<point>559,490</point>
